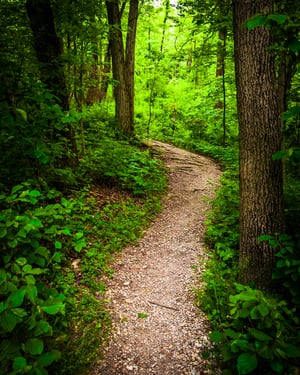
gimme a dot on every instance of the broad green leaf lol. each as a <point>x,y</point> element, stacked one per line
<point>16,298</point>
<point>53,308</point>
<point>259,335</point>
<point>237,345</point>
<point>64,202</point>
<point>34,271</point>
<point>216,336</point>
<point>8,321</point>
<point>58,257</point>
<point>244,296</point>
<point>65,231</point>
<point>34,193</point>
<point>14,243</point>
<point>43,251</point>
<point>255,313</point>
<point>22,233</point>
<point>280,154</point>
<point>78,235</point>
<point>30,280</point>
<point>265,237</point>
<point>246,363</point>
<point>33,346</point>
<point>3,276</point>
<point>42,328</point>
<point>19,363</point>
<point>16,188</point>
<point>21,261</point>
<point>27,268</point>
<point>3,232</point>
<point>48,358</point>
<point>79,246</point>
<point>36,223</point>
<point>31,292</point>
<point>20,313</point>
<point>263,309</point>
<point>231,333</point>
<point>255,22</point>
<point>58,245</point>
<point>278,18</point>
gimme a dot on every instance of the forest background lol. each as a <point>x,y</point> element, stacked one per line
<point>82,86</point>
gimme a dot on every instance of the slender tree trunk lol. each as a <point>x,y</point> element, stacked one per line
<point>130,55</point>
<point>167,10</point>
<point>220,72</point>
<point>105,72</point>
<point>261,203</point>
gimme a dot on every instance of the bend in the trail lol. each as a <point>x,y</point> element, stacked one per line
<point>157,328</point>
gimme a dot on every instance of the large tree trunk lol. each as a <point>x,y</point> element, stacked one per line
<point>123,63</point>
<point>48,48</point>
<point>261,203</point>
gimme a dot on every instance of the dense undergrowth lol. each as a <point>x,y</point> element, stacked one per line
<point>58,232</point>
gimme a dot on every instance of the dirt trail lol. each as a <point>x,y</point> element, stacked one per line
<point>158,329</point>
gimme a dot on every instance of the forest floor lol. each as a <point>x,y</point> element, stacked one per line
<point>157,329</point>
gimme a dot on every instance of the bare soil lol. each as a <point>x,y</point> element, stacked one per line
<point>157,329</point>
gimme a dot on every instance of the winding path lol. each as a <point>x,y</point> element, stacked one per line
<point>157,328</point>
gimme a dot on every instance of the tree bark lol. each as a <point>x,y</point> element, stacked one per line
<point>48,48</point>
<point>123,63</point>
<point>261,202</point>
<point>220,72</point>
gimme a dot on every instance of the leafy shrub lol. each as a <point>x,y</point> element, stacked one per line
<point>221,236</point>
<point>259,335</point>
<point>34,239</point>
<point>223,220</point>
<point>118,163</point>
<point>35,141</point>
<point>287,268</point>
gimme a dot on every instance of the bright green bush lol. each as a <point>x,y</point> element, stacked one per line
<point>34,239</point>
<point>287,268</point>
<point>259,335</point>
<point>119,163</point>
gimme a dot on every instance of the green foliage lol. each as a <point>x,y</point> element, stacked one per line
<point>34,136</point>
<point>258,335</point>
<point>34,239</point>
<point>287,269</point>
<point>222,237</point>
<point>117,162</point>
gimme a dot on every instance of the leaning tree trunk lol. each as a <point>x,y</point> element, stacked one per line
<point>261,203</point>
